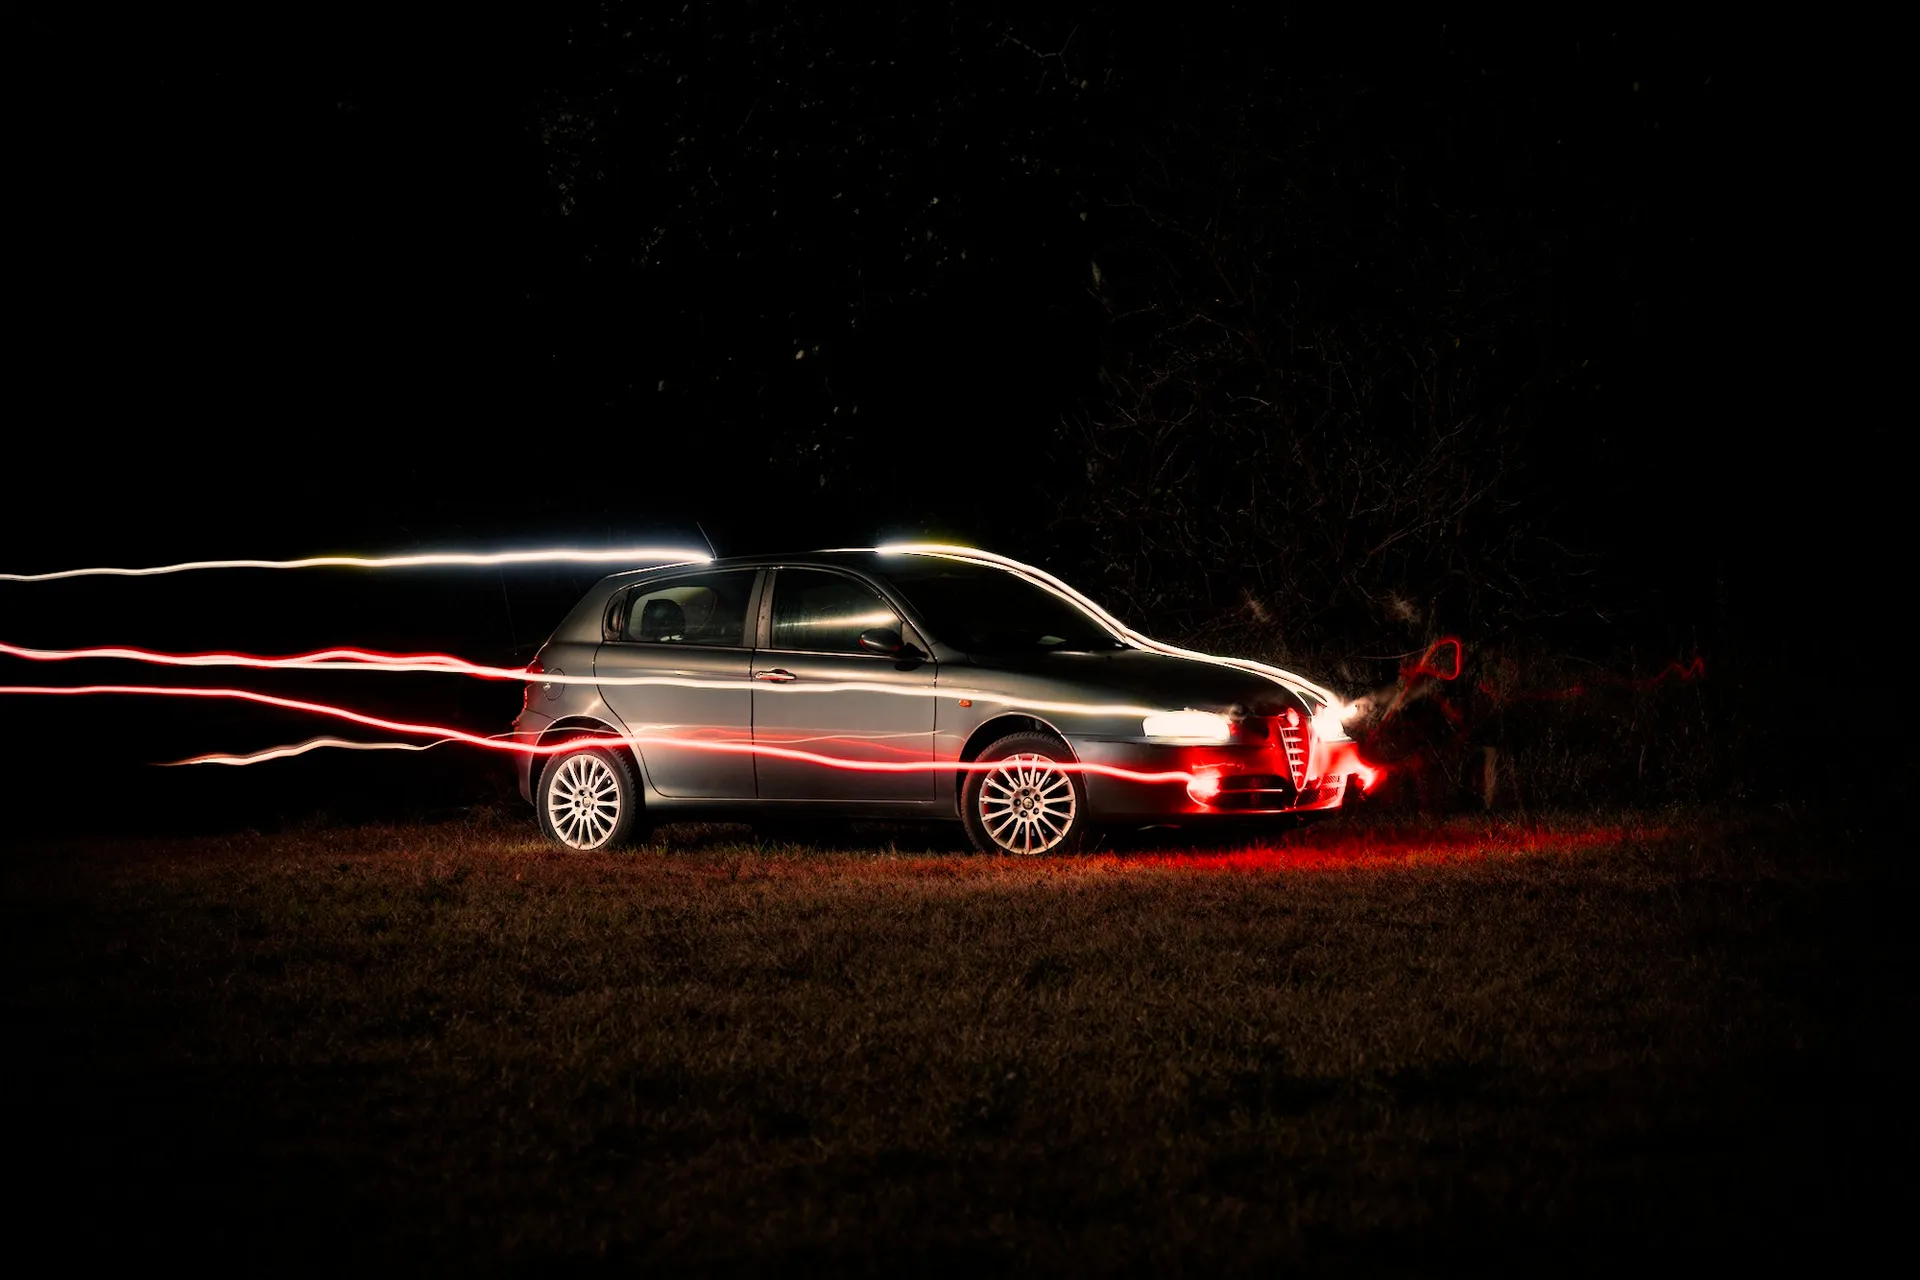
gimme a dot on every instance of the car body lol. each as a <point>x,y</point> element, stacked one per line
<point>920,682</point>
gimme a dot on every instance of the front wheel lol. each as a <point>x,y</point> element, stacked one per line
<point>1026,803</point>
<point>588,799</point>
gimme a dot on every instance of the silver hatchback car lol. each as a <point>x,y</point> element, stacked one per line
<point>919,682</point>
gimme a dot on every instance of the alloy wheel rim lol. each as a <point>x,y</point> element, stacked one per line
<point>1027,804</point>
<point>583,802</point>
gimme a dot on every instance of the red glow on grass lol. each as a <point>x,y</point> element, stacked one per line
<point>1365,846</point>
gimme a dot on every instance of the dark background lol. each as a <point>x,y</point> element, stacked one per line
<point>1100,293</point>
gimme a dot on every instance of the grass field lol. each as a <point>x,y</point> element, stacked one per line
<point>1567,1044</point>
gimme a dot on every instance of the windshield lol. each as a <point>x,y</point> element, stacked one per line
<point>982,609</point>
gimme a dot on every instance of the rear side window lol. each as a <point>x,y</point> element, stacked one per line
<point>708,609</point>
<point>817,612</point>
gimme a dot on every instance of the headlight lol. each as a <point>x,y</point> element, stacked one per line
<point>1330,723</point>
<point>1188,726</point>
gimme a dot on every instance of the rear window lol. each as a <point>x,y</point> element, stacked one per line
<point>710,609</point>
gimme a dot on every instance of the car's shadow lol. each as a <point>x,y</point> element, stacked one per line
<point>816,835</point>
<point>936,838</point>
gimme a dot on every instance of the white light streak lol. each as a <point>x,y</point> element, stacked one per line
<point>446,559</point>
<point>445,664</point>
<point>1040,577</point>
<point>300,749</point>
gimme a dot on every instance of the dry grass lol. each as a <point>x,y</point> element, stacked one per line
<point>1569,1044</point>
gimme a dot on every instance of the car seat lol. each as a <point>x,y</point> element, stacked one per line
<point>662,621</point>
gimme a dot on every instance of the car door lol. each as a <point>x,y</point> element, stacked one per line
<point>684,642</point>
<point>809,642</point>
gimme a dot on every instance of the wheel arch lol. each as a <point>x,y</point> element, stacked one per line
<point>988,732</point>
<point>558,731</point>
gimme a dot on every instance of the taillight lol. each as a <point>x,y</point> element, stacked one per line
<point>526,693</point>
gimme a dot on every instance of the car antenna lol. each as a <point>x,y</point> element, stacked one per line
<point>709,541</point>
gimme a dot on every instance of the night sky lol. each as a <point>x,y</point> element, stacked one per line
<point>335,283</point>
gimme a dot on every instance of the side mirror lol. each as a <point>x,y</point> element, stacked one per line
<point>881,640</point>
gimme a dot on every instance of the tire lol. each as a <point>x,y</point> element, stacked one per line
<point>1025,808</point>
<point>588,800</point>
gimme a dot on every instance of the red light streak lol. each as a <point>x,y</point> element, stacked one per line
<point>1684,672</point>
<point>631,554</point>
<point>1445,660</point>
<point>1338,750</point>
<point>1695,670</point>
<point>362,659</point>
<point>451,735</point>
<point>447,664</point>
<point>1424,666</point>
<point>446,559</point>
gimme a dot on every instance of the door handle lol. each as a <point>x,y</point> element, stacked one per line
<point>776,676</point>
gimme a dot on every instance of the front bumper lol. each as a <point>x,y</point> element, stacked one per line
<point>1253,780</point>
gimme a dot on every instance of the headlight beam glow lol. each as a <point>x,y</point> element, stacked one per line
<point>1188,726</point>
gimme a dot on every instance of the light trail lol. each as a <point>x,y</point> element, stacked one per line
<point>320,660</point>
<point>450,559</point>
<point>672,555</point>
<point>1040,577</point>
<point>447,664</point>
<point>300,749</point>
<point>249,695</point>
<point>1424,666</point>
<point>447,734</point>
<point>1326,716</point>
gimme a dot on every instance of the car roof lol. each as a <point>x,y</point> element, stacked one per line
<point>853,559</point>
<point>848,559</point>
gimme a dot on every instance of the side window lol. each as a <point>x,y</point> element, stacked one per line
<point>825,613</point>
<point>708,609</point>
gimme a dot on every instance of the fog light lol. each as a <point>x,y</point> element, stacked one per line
<point>1203,788</point>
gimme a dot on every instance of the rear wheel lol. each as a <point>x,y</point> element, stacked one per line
<point>1026,804</point>
<point>588,799</point>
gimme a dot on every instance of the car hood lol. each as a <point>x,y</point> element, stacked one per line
<point>1152,679</point>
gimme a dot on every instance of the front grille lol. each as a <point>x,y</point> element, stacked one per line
<point>1295,738</point>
